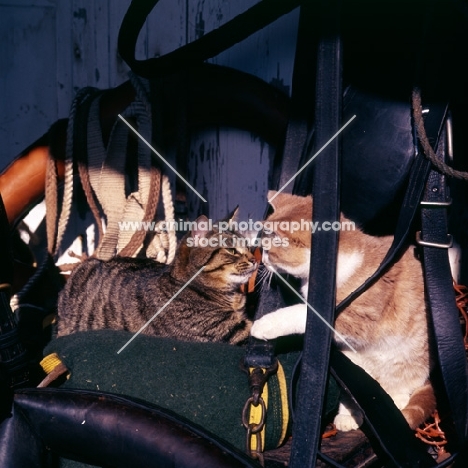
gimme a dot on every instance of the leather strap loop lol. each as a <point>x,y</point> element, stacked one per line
<point>209,45</point>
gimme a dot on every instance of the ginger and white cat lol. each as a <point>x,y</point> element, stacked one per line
<point>387,325</point>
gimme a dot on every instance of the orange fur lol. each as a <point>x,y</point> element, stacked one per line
<point>387,325</point>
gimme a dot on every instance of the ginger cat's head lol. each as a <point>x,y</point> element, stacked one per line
<point>292,254</point>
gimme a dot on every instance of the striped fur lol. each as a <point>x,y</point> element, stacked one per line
<point>125,293</point>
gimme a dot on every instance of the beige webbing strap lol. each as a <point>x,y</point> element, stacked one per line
<point>106,169</point>
<point>137,238</point>
<point>139,203</point>
<point>128,217</point>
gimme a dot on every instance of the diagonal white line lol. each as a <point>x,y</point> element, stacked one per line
<point>312,158</point>
<point>313,310</point>
<point>160,310</point>
<point>159,155</point>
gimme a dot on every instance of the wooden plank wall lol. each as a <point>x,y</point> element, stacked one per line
<point>51,48</point>
<point>28,57</point>
<point>267,54</point>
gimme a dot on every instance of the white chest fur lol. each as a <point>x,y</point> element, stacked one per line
<point>348,263</point>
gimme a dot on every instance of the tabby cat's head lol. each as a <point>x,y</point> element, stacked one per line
<point>224,255</point>
<point>291,255</point>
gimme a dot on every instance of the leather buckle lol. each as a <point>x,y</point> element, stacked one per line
<point>437,245</point>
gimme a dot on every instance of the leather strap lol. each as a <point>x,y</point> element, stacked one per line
<point>386,422</point>
<point>209,45</point>
<point>321,295</point>
<point>434,241</point>
<point>6,258</point>
<point>393,436</point>
<point>410,206</point>
<point>13,359</point>
<point>302,98</point>
<point>259,352</point>
<point>103,429</point>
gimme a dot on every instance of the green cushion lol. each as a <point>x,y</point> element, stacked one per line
<point>200,381</point>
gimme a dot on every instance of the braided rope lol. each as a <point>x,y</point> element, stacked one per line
<point>168,203</point>
<point>158,247</point>
<point>427,148</point>
<point>51,201</point>
<point>91,200</point>
<point>40,270</point>
<point>81,96</point>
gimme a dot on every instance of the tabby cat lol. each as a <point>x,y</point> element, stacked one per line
<point>387,325</point>
<point>124,293</point>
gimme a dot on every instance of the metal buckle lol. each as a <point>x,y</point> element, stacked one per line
<point>437,245</point>
<point>436,203</point>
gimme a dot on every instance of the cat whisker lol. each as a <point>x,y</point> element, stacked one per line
<point>264,277</point>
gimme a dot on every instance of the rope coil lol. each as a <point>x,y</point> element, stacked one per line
<point>427,148</point>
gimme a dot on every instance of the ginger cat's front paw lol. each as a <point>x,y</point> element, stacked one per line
<point>345,422</point>
<point>282,322</point>
<point>265,328</point>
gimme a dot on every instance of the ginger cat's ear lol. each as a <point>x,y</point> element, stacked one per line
<point>271,196</point>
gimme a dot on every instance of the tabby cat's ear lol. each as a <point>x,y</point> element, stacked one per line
<point>233,215</point>
<point>202,227</point>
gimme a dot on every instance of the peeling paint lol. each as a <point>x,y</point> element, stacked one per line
<point>201,152</point>
<point>278,82</point>
<point>199,26</point>
<point>81,13</point>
